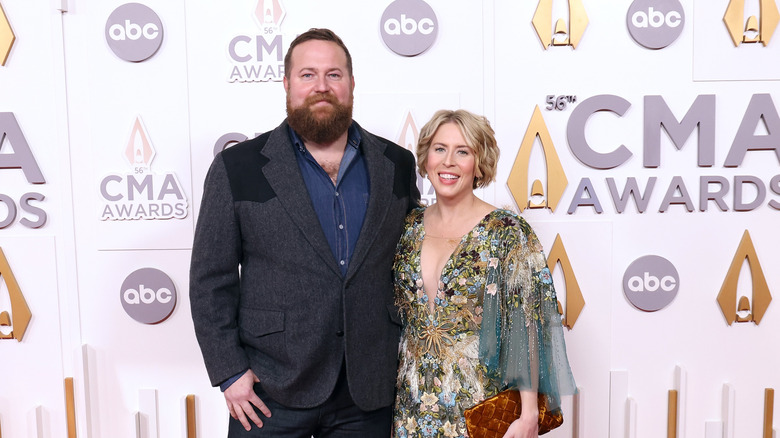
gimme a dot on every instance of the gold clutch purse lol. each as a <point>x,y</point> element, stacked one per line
<point>492,417</point>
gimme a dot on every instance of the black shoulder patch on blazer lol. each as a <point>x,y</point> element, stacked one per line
<point>243,163</point>
<point>404,165</point>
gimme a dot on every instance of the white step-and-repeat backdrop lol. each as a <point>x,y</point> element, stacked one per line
<point>641,139</point>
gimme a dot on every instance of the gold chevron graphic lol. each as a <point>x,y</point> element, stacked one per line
<point>542,22</point>
<point>764,28</point>
<point>7,37</point>
<point>21,312</point>
<point>409,134</point>
<point>727,298</point>
<point>574,299</point>
<point>518,177</point>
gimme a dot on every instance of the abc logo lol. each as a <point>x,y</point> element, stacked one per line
<point>650,283</point>
<point>148,295</point>
<point>409,27</point>
<point>134,32</point>
<point>655,23</point>
<point>655,18</point>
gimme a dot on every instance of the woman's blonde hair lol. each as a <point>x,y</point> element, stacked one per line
<point>479,136</point>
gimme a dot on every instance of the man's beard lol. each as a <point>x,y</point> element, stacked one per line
<point>321,125</point>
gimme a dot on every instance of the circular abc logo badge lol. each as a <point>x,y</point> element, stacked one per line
<point>409,27</point>
<point>134,32</point>
<point>148,295</point>
<point>651,283</point>
<point>655,23</point>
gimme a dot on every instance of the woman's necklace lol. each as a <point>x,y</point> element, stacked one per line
<point>452,241</point>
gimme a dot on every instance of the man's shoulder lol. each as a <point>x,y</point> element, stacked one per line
<point>393,151</point>
<point>247,147</point>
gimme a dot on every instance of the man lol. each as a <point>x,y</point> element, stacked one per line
<point>290,281</point>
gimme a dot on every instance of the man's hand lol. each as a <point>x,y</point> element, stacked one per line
<point>240,396</point>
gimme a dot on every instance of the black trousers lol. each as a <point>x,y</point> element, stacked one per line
<point>338,417</point>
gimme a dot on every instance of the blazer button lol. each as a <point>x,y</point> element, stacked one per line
<point>340,333</point>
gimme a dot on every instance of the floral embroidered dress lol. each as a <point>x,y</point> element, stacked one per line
<point>495,318</point>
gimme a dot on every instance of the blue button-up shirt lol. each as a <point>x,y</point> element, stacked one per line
<point>341,208</point>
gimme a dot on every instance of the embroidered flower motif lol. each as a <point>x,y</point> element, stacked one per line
<point>435,336</point>
<point>429,398</point>
<point>449,430</point>
<point>411,425</point>
<point>458,299</point>
<point>545,275</point>
<point>493,262</point>
<point>447,398</point>
<point>491,289</point>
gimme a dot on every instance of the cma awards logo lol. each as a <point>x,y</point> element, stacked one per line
<point>409,27</point>
<point>752,30</point>
<point>259,57</point>
<point>20,314</point>
<point>714,190</point>
<point>134,32</point>
<point>7,37</point>
<point>561,34</point>
<point>148,295</point>
<point>141,194</point>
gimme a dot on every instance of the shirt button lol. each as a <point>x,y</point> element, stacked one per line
<point>337,193</point>
<point>341,227</point>
<point>342,262</point>
<point>340,333</point>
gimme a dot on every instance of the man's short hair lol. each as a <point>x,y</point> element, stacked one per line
<point>321,34</point>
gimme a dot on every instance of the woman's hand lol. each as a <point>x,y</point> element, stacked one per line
<point>527,426</point>
<point>523,428</point>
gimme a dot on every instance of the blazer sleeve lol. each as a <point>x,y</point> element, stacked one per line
<point>414,192</point>
<point>214,278</point>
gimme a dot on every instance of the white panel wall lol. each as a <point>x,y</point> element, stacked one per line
<point>76,103</point>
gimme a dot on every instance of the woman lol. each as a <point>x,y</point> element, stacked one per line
<point>472,283</point>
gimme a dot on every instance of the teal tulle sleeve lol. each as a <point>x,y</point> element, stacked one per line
<point>521,338</point>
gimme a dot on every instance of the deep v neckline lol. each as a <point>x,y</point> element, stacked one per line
<point>431,304</point>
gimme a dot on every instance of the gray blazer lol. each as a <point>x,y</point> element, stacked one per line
<point>266,292</point>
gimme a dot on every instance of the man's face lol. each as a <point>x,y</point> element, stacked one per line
<point>319,91</point>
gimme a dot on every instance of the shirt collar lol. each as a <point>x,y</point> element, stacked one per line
<point>353,137</point>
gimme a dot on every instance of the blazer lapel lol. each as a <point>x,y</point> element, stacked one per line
<point>284,176</point>
<point>381,173</point>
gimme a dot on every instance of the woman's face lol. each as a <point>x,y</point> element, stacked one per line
<point>451,163</point>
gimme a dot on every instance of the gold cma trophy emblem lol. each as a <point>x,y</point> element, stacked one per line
<point>519,176</point>
<point>20,315</point>
<point>727,298</point>
<point>7,37</point>
<point>574,299</point>
<point>755,31</point>
<point>561,36</point>
<point>556,184</point>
